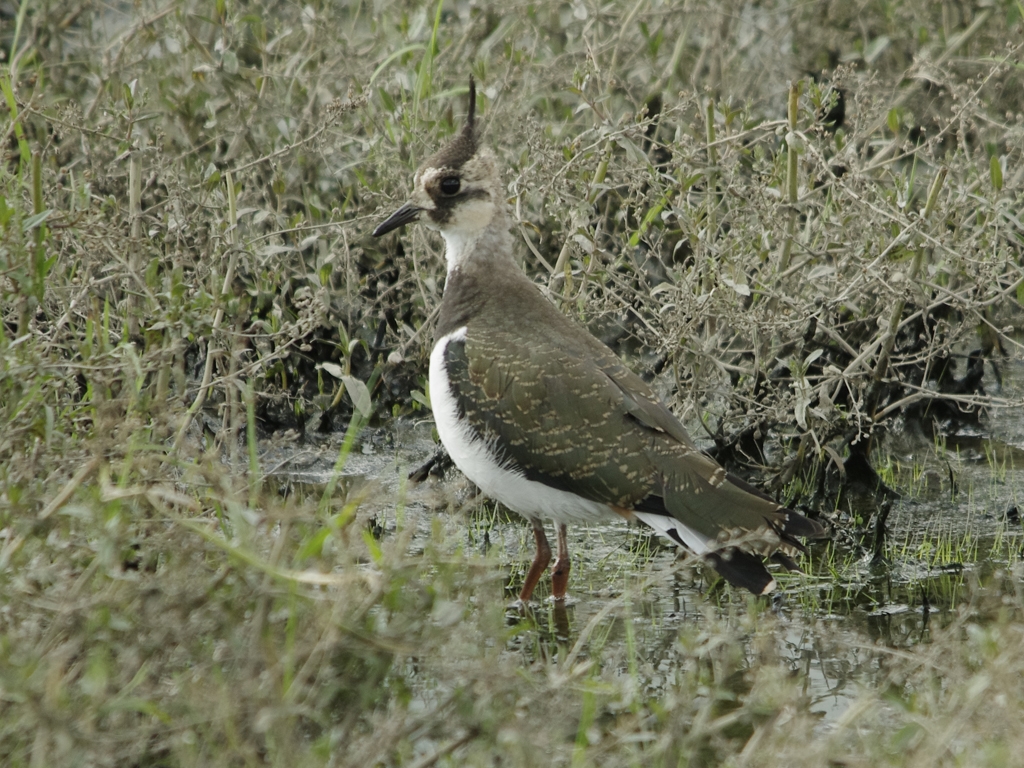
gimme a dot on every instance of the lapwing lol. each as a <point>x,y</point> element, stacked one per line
<point>546,419</point>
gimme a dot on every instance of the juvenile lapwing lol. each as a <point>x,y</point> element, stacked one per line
<point>546,419</point>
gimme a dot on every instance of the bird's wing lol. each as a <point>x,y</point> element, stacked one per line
<point>574,418</point>
<point>570,418</point>
<point>536,403</point>
<point>696,489</point>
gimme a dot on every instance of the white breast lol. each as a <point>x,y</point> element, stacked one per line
<point>477,458</point>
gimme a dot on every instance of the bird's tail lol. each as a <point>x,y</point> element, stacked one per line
<point>728,522</point>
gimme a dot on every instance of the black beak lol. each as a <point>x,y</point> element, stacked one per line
<point>404,215</point>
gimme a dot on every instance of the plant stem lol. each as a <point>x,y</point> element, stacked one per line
<point>211,351</point>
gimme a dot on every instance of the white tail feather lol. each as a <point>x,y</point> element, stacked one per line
<point>666,526</point>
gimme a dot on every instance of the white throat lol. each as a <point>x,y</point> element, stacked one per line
<point>467,230</point>
<point>459,246</point>
<point>478,231</point>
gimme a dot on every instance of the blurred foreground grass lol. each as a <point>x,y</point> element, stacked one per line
<point>185,194</point>
<point>138,633</point>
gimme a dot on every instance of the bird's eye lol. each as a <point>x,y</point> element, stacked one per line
<point>450,185</point>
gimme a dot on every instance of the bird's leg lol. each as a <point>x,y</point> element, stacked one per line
<point>560,572</point>
<point>540,562</point>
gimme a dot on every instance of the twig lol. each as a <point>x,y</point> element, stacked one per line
<point>70,487</point>
<point>211,351</point>
<point>135,218</point>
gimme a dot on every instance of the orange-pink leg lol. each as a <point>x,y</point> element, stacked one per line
<point>539,565</point>
<point>560,572</point>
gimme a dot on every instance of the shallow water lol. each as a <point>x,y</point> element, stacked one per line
<point>632,598</point>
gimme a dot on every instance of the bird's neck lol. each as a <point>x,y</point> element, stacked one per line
<point>482,273</point>
<point>468,246</point>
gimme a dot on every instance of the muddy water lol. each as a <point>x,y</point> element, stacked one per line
<point>632,598</point>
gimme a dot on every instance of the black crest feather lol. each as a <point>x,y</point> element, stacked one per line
<point>463,147</point>
<point>470,126</point>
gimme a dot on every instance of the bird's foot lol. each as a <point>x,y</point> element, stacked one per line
<point>518,607</point>
<point>519,611</point>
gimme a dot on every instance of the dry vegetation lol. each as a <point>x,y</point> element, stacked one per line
<point>186,192</point>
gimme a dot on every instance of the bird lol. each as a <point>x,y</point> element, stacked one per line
<point>547,420</point>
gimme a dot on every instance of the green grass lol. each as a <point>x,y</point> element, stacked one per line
<point>188,288</point>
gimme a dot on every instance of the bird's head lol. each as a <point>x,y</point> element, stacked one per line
<point>456,191</point>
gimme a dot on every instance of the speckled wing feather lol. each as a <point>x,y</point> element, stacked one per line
<point>537,417</point>
<point>535,402</point>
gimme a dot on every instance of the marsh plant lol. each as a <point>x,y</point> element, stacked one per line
<point>800,221</point>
